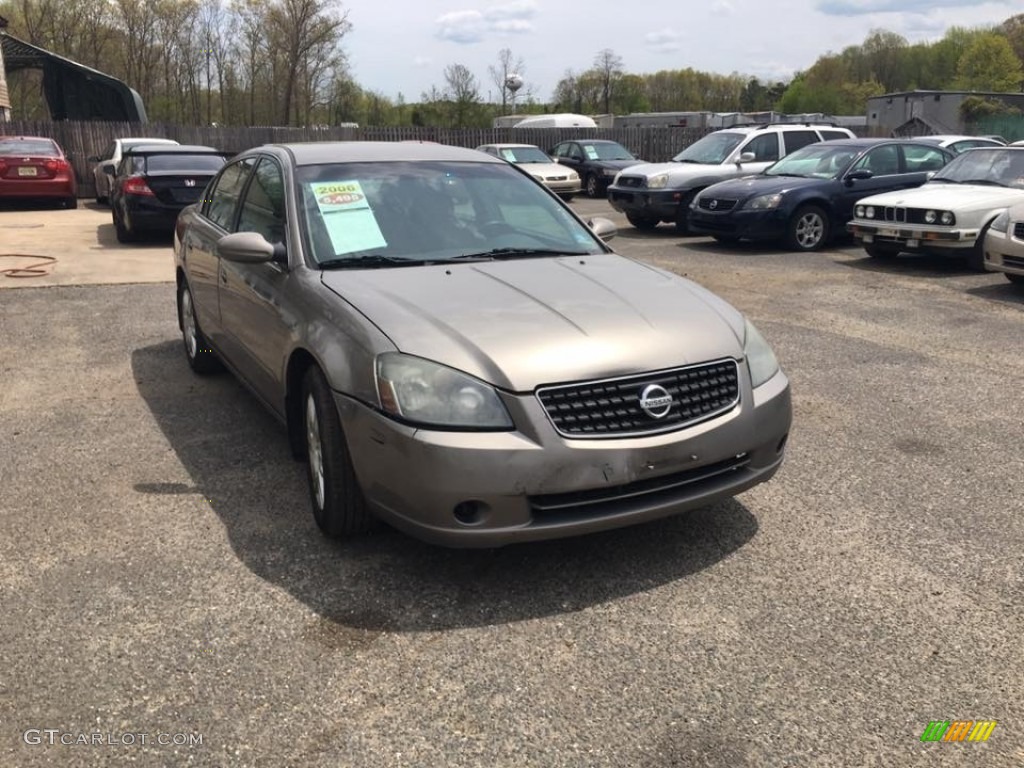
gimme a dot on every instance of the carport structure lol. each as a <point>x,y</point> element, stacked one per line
<point>73,91</point>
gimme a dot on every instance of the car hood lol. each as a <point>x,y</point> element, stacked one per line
<point>748,186</point>
<point>615,165</point>
<point>955,197</point>
<point>546,169</point>
<point>674,170</point>
<point>521,323</point>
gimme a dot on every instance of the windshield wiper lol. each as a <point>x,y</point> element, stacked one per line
<point>985,182</point>
<point>501,253</point>
<point>943,179</point>
<point>790,175</point>
<point>687,160</point>
<point>369,260</point>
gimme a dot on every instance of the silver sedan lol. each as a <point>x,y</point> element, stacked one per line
<point>454,351</point>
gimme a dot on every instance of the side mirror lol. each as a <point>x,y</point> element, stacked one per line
<point>246,248</point>
<point>108,168</point>
<point>860,175</point>
<point>747,157</point>
<point>603,228</point>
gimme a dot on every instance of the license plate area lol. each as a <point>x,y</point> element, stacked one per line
<point>27,171</point>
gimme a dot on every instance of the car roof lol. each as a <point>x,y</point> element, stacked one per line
<point>27,138</point>
<point>864,143</point>
<point>321,152</point>
<point>172,149</point>
<point>953,137</point>
<point>147,140</point>
<point>768,127</point>
<point>506,145</point>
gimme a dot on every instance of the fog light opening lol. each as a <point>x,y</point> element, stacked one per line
<point>470,512</point>
<point>782,443</point>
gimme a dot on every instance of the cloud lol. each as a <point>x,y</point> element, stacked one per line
<point>422,61</point>
<point>467,27</point>
<point>663,41</point>
<point>461,27</point>
<point>722,8</point>
<point>861,7</point>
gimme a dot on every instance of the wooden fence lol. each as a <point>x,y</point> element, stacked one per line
<point>81,140</point>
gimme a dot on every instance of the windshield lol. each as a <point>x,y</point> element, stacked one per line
<point>712,149</point>
<point>389,212</point>
<point>816,161</point>
<point>523,155</point>
<point>606,151</point>
<point>1001,166</point>
<point>28,147</point>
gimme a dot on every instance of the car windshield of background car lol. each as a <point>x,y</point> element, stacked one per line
<point>607,152</point>
<point>174,162</point>
<point>413,211</point>
<point>28,147</point>
<point>816,161</point>
<point>712,149</point>
<point>1002,167</point>
<point>524,155</point>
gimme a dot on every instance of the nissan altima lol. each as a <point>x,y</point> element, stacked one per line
<point>454,351</point>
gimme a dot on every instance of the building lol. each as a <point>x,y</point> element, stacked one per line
<point>918,113</point>
<point>5,97</point>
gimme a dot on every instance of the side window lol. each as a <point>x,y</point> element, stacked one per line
<point>220,206</point>
<point>919,159</point>
<point>881,161</point>
<point>829,135</point>
<point>765,148</point>
<point>793,140</point>
<point>559,150</point>
<point>263,205</point>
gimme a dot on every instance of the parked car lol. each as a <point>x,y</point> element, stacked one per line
<point>957,144</point>
<point>809,195</point>
<point>154,182</point>
<point>950,214</point>
<point>454,351</point>
<point>561,180</point>
<point>1004,244</point>
<point>35,167</point>
<point>112,155</point>
<point>652,193</point>
<point>596,161</point>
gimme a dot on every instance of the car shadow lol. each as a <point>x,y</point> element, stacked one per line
<point>106,236</point>
<point>238,459</point>
<point>924,265</point>
<point>1004,292</point>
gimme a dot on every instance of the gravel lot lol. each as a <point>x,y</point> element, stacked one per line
<point>160,572</point>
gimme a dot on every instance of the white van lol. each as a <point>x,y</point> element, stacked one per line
<point>565,120</point>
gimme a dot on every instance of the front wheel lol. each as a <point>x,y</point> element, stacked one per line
<point>683,214</point>
<point>642,222</point>
<point>976,256</point>
<point>1015,279</point>
<point>568,196</point>
<point>593,185</point>
<point>339,506</point>
<point>808,230</point>
<point>200,356</point>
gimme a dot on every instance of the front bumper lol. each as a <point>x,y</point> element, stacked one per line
<point>912,237</point>
<point>662,204</point>
<point>150,215</point>
<point>568,187</point>
<point>740,224</point>
<point>533,484</point>
<point>59,186</point>
<point>1004,252</point>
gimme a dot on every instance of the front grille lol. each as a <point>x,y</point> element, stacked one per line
<point>716,204</point>
<point>611,408</point>
<point>632,181</point>
<point>1014,261</point>
<point>1018,230</point>
<point>554,507</point>
<point>558,178</point>
<point>895,214</point>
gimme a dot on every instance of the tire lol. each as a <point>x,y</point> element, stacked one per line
<point>976,257</point>
<point>70,203</point>
<point>201,357</point>
<point>808,230</point>
<point>592,185</point>
<point>568,198</point>
<point>726,239</point>
<point>642,222</point>
<point>1015,279</point>
<point>876,251</point>
<point>339,506</point>
<point>101,200</point>
<point>683,213</point>
<point>124,235</point>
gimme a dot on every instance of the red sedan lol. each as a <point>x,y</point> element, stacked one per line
<point>35,167</point>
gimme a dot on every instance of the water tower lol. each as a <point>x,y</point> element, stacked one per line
<point>513,83</point>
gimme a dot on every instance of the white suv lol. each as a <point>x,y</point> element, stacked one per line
<point>651,193</point>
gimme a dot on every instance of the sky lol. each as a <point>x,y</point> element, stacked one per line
<point>403,46</point>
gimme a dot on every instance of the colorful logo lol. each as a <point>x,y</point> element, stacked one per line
<point>958,730</point>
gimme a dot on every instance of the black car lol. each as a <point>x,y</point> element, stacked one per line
<point>153,183</point>
<point>596,161</point>
<point>808,195</point>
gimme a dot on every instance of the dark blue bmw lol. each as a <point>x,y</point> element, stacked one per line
<point>809,194</point>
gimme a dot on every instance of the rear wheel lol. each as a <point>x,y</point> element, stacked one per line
<point>642,222</point>
<point>683,213</point>
<point>1015,279</point>
<point>124,235</point>
<point>726,239</point>
<point>876,251</point>
<point>808,230</point>
<point>593,185</point>
<point>339,506</point>
<point>70,203</point>
<point>568,198</point>
<point>976,256</point>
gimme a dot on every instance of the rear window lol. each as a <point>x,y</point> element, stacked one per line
<point>830,135</point>
<point>184,163</point>
<point>28,147</point>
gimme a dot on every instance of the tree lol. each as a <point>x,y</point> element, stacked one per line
<point>507,65</point>
<point>608,67</point>
<point>1013,29</point>
<point>463,93</point>
<point>989,64</point>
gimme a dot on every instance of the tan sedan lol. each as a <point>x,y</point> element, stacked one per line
<point>1004,244</point>
<point>563,181</point>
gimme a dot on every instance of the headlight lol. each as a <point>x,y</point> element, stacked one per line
<point>930,217</point>
<point>761,360</point>
<point>424,392</point>
<point>948,218</point>
<point>609,172</point>
<point>1001,223</point>
<point>573,176</point>
<point>539,178</point>
<point>658,182</point>
<point>764,202</point>
<point>859,211</point>
<point>869,212</point>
